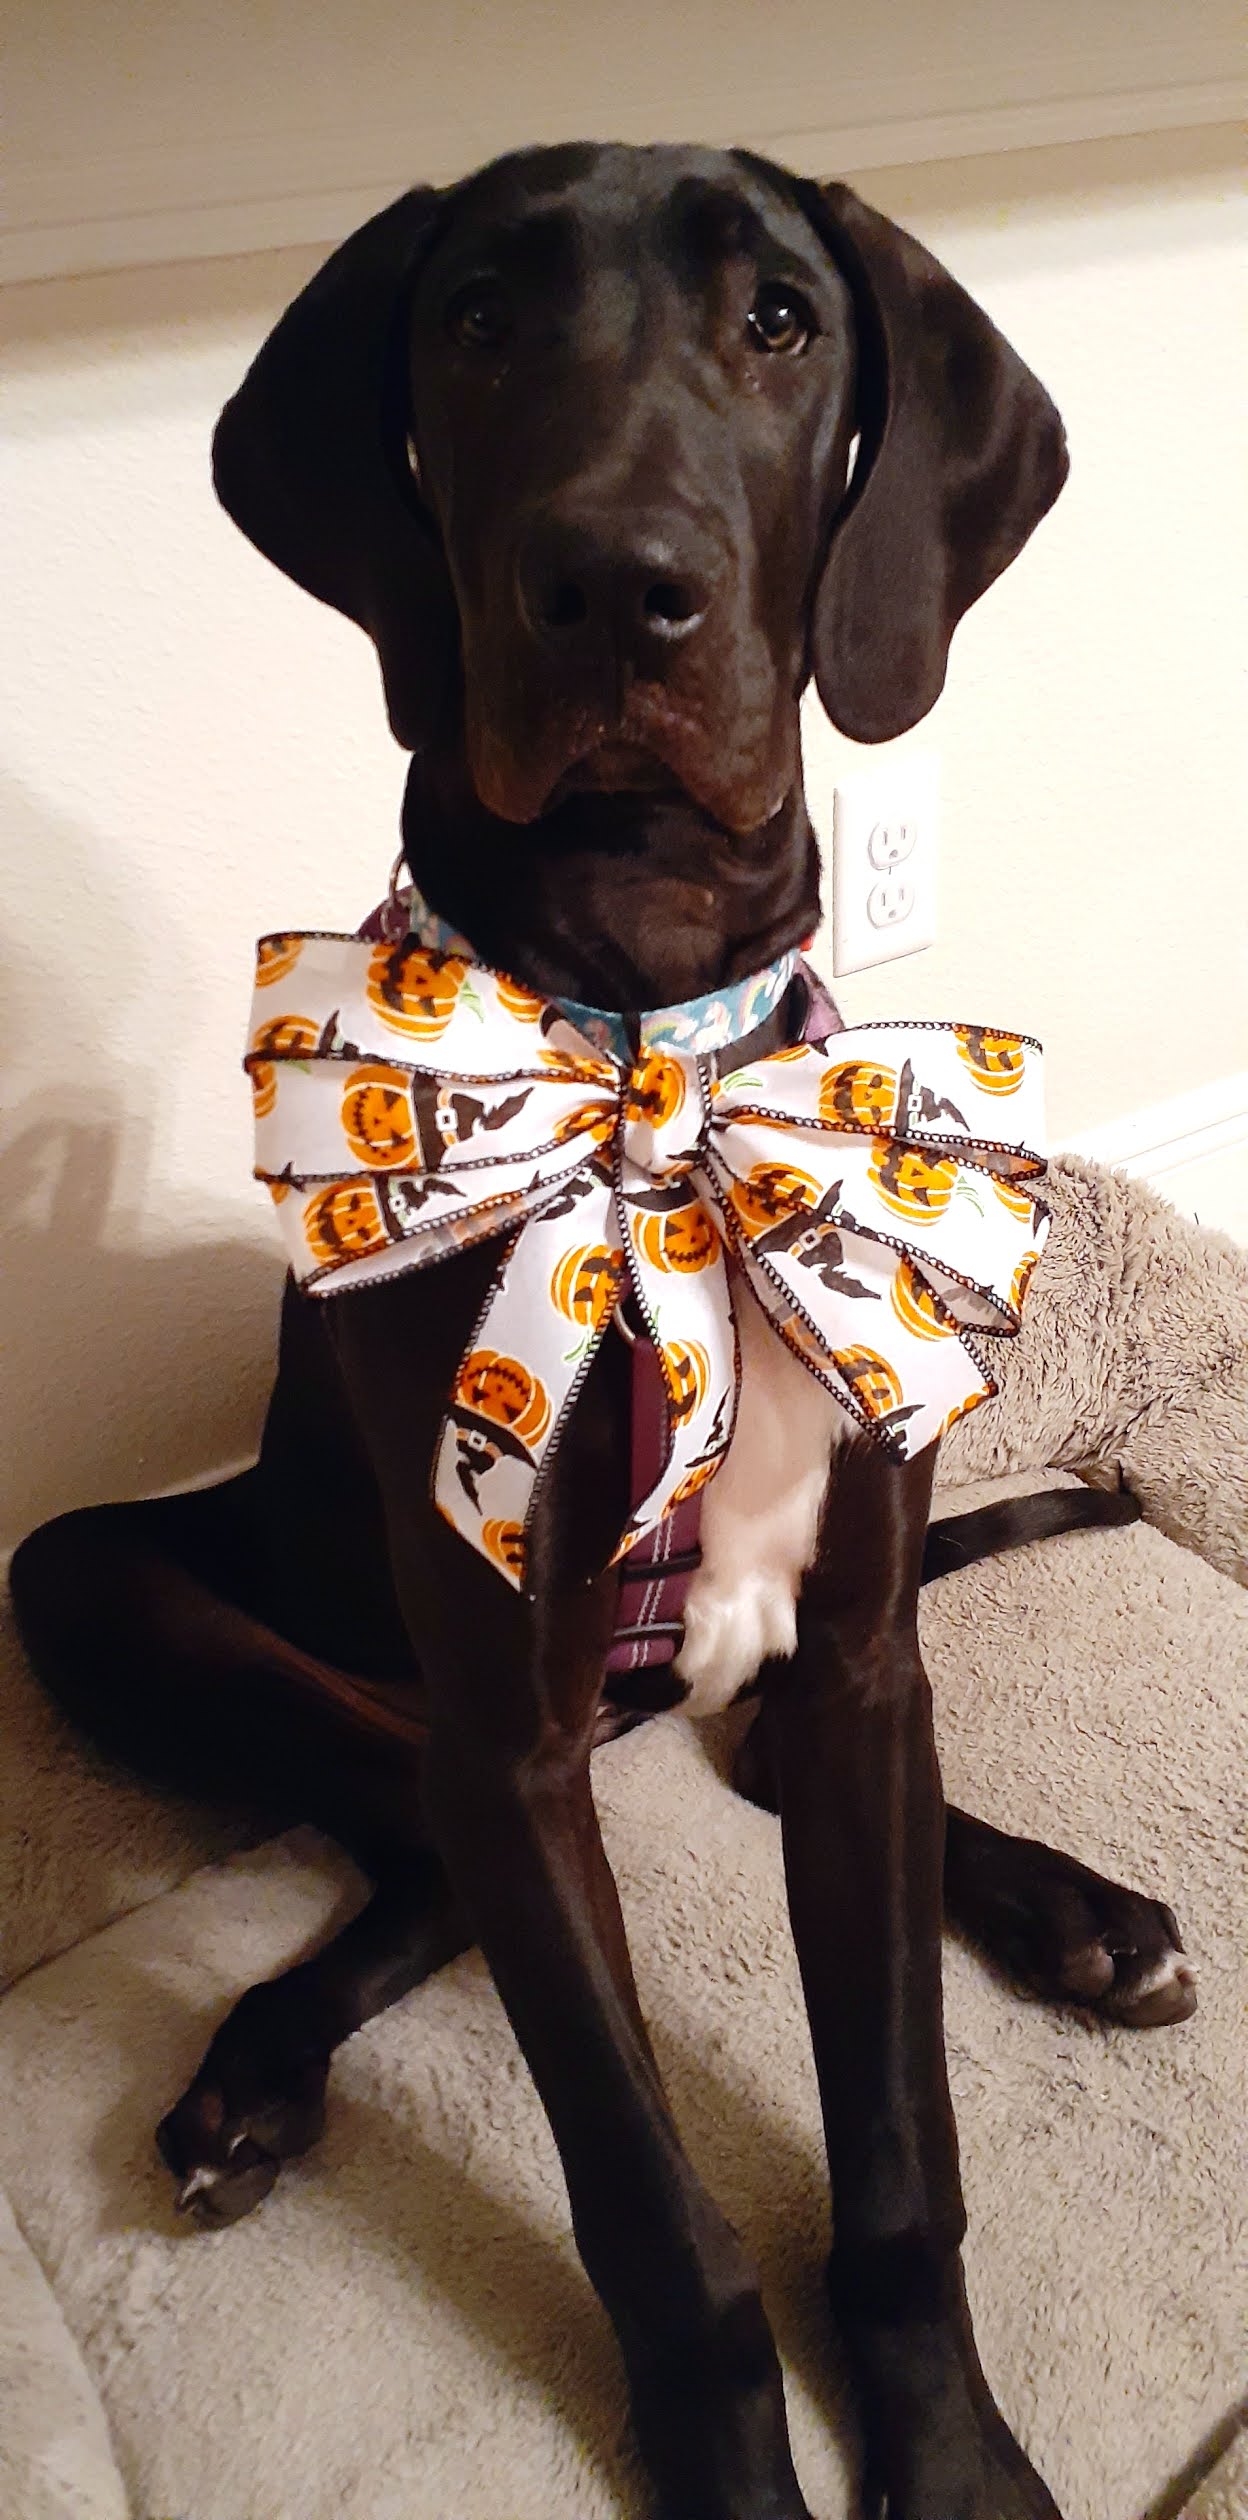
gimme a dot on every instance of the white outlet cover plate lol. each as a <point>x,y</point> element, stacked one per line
<point>884,831</point>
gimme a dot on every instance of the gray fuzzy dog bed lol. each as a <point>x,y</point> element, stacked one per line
<point>403,2332</point>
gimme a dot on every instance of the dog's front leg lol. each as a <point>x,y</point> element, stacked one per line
<point>519,1836</point>
<point>513,1691</point>
<point>863,1824</point>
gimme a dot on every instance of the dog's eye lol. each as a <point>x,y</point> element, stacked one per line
<point>478,318</point>
<point>780,319</point>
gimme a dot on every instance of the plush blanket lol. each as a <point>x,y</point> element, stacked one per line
<point>403,2332</point>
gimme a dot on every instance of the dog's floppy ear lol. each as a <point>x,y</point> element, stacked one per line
<point>309,458</point>
<point>961,453</point>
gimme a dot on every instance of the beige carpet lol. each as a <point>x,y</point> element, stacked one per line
<point>403,2332</point>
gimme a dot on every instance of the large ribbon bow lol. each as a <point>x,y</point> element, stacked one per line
<point>410,1101</point>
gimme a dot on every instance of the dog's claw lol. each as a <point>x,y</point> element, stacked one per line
<point>217,2193</point>
<point>243,2116</point>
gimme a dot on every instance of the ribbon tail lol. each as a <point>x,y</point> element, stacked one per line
<point>533,1342</point>
<point>675,1258</point>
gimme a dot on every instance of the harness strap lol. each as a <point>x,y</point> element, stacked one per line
<point>655,1576</point>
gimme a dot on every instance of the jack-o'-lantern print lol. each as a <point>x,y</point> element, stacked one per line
<point>414,987</point>
<point>503,1389</point>
<point>804,1342</point>
<point>856,1094</point>
<point>876,1385</point>
<point>996,1059</point>
<point>917,1308</point>
<point>591,1120</point>
<point>287,1036</point>
<point>585,1284</point>
<point>1021,1279</point>
<point>499,1410</point>
<point>518,1001</point>
<point>504,1542</point>
<point>687,1373</point>
<point>770,1192</point>
<point>656,1089</point>
<point>275,956</point>
<point>344,1222</point>
<point>911,1182</point>
<point>694,1481</point>
<point>1014,1199</point>
<point>577,1067</point>
<point>674,1232</point>
<point>378,1118</point>
<point>961,1409</point>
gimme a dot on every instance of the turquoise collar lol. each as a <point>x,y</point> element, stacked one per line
<point>697,1024</point>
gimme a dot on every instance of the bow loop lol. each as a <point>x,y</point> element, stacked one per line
<point>870,1192</point>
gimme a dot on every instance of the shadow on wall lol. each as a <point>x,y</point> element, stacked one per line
<point>125,1366</point>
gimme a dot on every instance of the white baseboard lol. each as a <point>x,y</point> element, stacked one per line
<point>1193,1148</point>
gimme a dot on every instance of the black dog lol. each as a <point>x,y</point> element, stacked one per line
<point>574,441</point>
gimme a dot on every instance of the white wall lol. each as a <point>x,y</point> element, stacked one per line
<point>195,752</point>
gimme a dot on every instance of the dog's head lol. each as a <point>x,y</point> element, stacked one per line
<point>572,441</point>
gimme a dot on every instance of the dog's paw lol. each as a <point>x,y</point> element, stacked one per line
<point>1111,1950</point>
<point>1071,1937</point>
<point>936,2445</point>
<point>252,2105</point>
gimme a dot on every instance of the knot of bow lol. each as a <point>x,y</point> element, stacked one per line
<point>410,1101</point>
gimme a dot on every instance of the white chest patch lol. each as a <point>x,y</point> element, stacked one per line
<point>760,1519</point>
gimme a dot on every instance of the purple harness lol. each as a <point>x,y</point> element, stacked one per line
<point>659,1568</point>
<point>655,1576</point>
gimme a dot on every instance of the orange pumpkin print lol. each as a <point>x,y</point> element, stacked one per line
<point>286,1036</point>
<point>996,1059</point>
<point>505,1543</point>
<point>344,1222</point>
<point>770,1191</point>
<point>593,1120</point>
<point>681,1239</point>
<point>912,1183</point>
<point>518,1001</point>
<point>859,1095</point>
<point>377,1117</point>
<point>577,1070</point>
<point>687,1373</point>
<point>1021,1279</point>
<point>875,1383</point>
<point>586,1283</point>
<point>961,1409</point>
<point>275,956</point>
<point>503,1389</point>
<point>804,1342</point>
<point>656,1089</point>
<point>1016,1202</point>
<point>916,1307</point>
<point>413,987</point>
<point>699,1477</point>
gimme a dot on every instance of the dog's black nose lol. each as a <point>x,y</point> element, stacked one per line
<point>631,580</point>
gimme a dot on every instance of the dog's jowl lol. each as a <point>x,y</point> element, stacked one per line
<point>630,1293</point>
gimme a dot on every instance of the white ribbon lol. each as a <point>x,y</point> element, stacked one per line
<point>409,1102</point>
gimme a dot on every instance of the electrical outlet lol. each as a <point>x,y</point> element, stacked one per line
<point>884,862</point>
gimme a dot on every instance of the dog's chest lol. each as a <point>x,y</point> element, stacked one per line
<point>760,1520</point>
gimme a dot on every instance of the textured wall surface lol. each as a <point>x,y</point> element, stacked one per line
<point>195,752</point>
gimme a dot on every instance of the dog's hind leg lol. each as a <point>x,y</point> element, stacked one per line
<point>1063,1931</point>
<point>258,2098</point>
<point>194,1693</point>
<point>144,1648</point>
